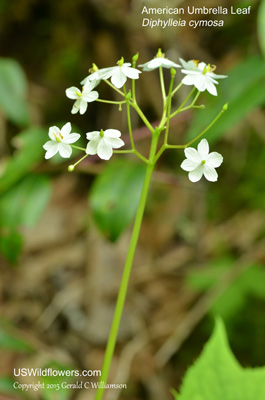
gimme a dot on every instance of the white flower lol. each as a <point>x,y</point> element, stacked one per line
<point>102,143</point>
<point>118,74</point>
<point>82,98</point>
<point>200,75</point>
<point>200,162</point>
<point>60,141</point>
<point>159,61</point>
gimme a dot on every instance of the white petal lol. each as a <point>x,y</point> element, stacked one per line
<point>214,159</point>
<point>192,154</point>
<point>104,149</point>
<point>201,66</point>
<point>118,79</point>
<point>210,173</point>
<point>112,133</point>
<point>73,137</point>
<point>53,131</point>
<point>92,147</point>
<point>188,80</point>
<point>200,82</point>
<point>217,76</point>
<point>211,88</point>
<point>191,72</point>
<point>203,149</point>
<point>151,65</point>
<point>48,145</point>
<point>103,73</point>
<point>169,64</point>
<point>85,80</point>
<point>189,165</point>
<point>83,106</point>
<point>52,150</point>
<point>132,73</point>
<point>92,135</point>
<point>115,143</point>
<point>91,96</point>
<point>66,129</point>
<point>188,65</point>
<point>73,93</point>
<point>76,106</point>
<point>196,174</point>
<point>89,85</point>
<point>65,150</point>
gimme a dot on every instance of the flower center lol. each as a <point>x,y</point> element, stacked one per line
<point>196,62</point>
<point>159,54</point>
<point>203,162</point>
<point>58,136</point>
<point>101,133</point>
<point>120,62</point>
<point>208,68</point>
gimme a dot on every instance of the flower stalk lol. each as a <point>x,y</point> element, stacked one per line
<point>107,142</point>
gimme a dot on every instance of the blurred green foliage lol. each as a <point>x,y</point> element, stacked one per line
<point>228,305</point>
<point>13,92</point>
<point>114,196</point>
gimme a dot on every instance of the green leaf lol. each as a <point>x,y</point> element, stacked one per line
<point>29,154</point>
<point>261,26</point>
<point>11,245</point>
<point>217,375</point>
<point>243,89</point>
<point>11,342</point>
<point>115,195</point>
<point>24,203</point>
<point>251,282</point>
<point>13,91</point>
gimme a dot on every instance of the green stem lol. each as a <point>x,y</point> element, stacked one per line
<point>77,147</point>
<point>129,121</point>
<point>168,108</point>
<point>162,83</point>
<point>133,84</point>
<point>142,116</point>
<point>206,129</point>
<point>127,268</point>
<point>111,101</point>
<point>113,87</point>
<point>177,88</point>
<point>185,101</point>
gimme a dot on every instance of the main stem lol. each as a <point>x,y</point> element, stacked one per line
<point>127,269</point>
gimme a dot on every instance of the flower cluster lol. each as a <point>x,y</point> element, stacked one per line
<point>103,142</point>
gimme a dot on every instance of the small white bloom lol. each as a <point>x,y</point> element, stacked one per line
<point>60,141</point>
<point>200,162</point>
<point>200,75</point>
<point>159,61</point>
<point>118,74</point>
<point>102,143</point>
<point>82,98</point>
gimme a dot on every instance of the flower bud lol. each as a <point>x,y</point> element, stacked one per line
<point>225,107</point>
<point>128,96</point>
<point>173,72</point>
<point>71,168</point>
<point>135,57</point>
